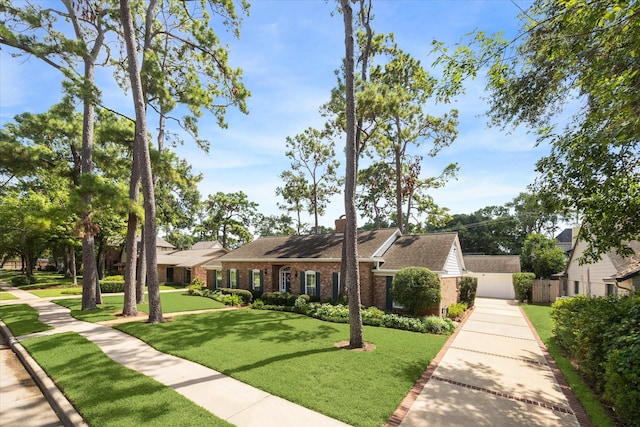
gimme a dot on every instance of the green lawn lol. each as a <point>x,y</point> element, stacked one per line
<point>294,357</point>
<point>541,320</point>
<point>22,319</point>
<point>74,290</point>
<point>6,296</point>
<point>171,302</point>
<point>108,394</point>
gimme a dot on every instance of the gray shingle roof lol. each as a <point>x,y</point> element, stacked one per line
<point>190,257</point>
<point>315,246</point>
<point>492,263</point>
<point>427,250</point>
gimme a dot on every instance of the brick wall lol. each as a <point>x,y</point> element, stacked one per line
<point>326,269</point>
<point>450,291</point>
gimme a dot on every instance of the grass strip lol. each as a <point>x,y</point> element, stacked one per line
<point>295,357</point>
<point>22,319</point>
<point>6,296</point>
<point>108,394</point>
<point>171,302</point>
<point>539,315</point>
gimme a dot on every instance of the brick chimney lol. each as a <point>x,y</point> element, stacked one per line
<point>341,225</point>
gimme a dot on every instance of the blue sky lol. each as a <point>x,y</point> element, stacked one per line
<point>289,50</point>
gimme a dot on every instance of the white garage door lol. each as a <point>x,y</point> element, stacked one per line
<point>494,285</point>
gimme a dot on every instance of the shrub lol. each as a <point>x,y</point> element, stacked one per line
<point>24,280</point>
<point>522,285</point>
<point>439,325</point>
<point>112,286</point>
<point>197,282</point>
<point>456,310</point>
<point>468,288</point>
<point>302,304</point>
<point>279,298</point>
<point>331,313</point>
<point>397,321</point>
<point>231,299</point>
<point>372,316</point>
<point>116,278</point>
<point>195,289</point>
<point>603,336</point>
<point>245,296</point>
<point>258,304</point>
<point>416,288</point>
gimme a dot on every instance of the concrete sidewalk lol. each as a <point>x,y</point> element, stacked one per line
<point>493,373</point>
<point>225,397</point>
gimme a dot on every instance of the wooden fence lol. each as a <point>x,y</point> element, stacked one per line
<point>545,290</point>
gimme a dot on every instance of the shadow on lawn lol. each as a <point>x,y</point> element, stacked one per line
<point>193,330</point>
<point>263,362</point>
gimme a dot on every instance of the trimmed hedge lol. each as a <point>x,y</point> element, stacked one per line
<point>112,286</point>
<point>24,280</point>
<point>603,336</point>
<point>522,285</point>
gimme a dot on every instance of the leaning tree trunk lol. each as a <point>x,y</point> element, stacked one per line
<point>351,232</point>
<point>141,147</point>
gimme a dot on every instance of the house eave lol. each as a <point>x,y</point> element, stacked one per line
<point>387,272</point>
<point>292,260</point>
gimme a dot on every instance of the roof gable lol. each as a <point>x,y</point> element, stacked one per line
<point>427,250</point>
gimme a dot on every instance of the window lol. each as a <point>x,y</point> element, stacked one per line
<point>311,287</point>
<point>610,289</point>
<point>397,305</point>
<point>217,278</point>
<point>576,287</point>
<point>233,278</point>
<point>255,280</point>
<point>169,274</point>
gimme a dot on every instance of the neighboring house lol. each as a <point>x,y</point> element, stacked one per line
<point>184,266</point>
<point>566,240</point>
<point>612,274</point>
<point>116,256</point>
<point>311,264</point>
<point>494,274</point>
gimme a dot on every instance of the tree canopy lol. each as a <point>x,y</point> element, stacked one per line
<point>581,59</point>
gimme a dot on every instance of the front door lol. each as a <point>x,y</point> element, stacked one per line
<point>285,279</point>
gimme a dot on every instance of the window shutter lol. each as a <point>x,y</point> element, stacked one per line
<point>336,283</point>
<point>261,282</point>
<point>302,280</point>
<point>228,278</point>
<point>389,304</point>
<point>318,288</point>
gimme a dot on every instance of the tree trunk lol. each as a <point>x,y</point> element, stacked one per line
<point>351,231</point>
<point>89,272</point>
<point>141,147</point>
<point>72,263</point>
<point>131,251</point>
<point>101,257</point>
<point>142,269</point>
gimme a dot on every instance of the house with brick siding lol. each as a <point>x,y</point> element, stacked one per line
<point>184,266</point>
<point>311,264</point>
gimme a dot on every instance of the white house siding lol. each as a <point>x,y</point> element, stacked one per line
<point>494,285</point>
<point>590,277</point>
<point>453,265</point>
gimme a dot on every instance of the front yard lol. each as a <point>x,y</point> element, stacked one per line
<point>295,357</point>
<point>286,354</point>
